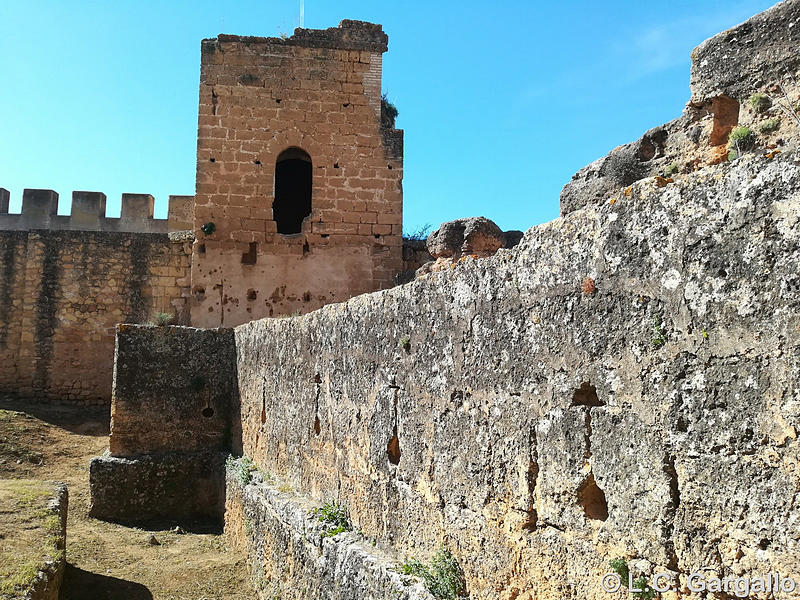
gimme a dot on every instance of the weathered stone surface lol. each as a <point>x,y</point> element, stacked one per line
<point>174,391</point>
<point>475,235</point>
<point>727,70</point>
<point>290,557</point>
<point>742,59</point>
<point>675,143</point>
<point>185,487</point>
<point>349,35</point>
<point>459,408</point>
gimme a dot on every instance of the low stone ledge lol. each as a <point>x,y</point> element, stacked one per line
<point>33,547</point>
<point>175,487</point>
<point>290,556</point>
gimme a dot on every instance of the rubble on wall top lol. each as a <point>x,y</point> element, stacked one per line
<point>737,61</point>
<point>349,35</point>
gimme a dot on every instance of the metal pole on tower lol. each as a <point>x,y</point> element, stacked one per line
<point>302,13</point>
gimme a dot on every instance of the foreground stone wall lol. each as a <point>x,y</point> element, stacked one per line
<point>62,294</point>
<point>291,556</point>
<point>622,384</point>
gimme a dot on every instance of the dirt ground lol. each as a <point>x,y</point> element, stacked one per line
<point>107,561</point>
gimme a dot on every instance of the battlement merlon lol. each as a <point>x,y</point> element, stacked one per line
<point>88,213</point>
<point>349,35</point>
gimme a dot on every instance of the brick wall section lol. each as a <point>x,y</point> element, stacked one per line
<point>319,91</point>
<point>63,292</point>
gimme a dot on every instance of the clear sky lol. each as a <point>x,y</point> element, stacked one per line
<point>501,102</point>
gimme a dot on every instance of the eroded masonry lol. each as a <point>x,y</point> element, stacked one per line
<point>621,386</point>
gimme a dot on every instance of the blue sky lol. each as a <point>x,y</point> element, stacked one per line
<point>501,102</point>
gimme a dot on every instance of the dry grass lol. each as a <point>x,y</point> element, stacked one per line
<point>28,533</point>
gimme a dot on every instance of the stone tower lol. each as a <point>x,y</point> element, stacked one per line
<point>299,174</point>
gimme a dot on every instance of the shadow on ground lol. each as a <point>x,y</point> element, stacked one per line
<point>84,585</point>
<point>89,420</point>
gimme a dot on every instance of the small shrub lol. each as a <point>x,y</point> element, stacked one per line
<point>620,567</point>
<point>443,578</point>
<point>741,138</point>
<point>624,167</point>
<point>389,112</point>
<point>760,102</point>
<point>164,319</point>
<point>419,234</point>
<point>405,342</point>
<point>645,591</point>
<point>770,125</point>
<point>671,169</point>
<point>334,517</point>
<point>246,468</point>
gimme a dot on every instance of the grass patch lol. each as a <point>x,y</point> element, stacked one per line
<point>335,518</point>
<point>30,533</point>
<point>760,102</point>
<point>770,125</point>
<point>163,319</point>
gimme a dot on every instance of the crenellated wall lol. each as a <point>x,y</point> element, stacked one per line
<point>88,213</point>
<point>67,280</point>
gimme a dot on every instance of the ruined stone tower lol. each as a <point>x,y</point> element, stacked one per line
<point>299,179</point>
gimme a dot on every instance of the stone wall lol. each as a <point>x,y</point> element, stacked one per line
<point>291,554</point>
<point>756,60</point>
<point>187,377</point>
<point>170,488</point>
<point>174,419</point>
<point>622,384</point>
<point>62,294</point>
<point>319,93</point>
<point>760,51</point>
<point>415,254</point>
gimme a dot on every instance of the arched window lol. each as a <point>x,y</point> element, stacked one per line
<point>292,190</point>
